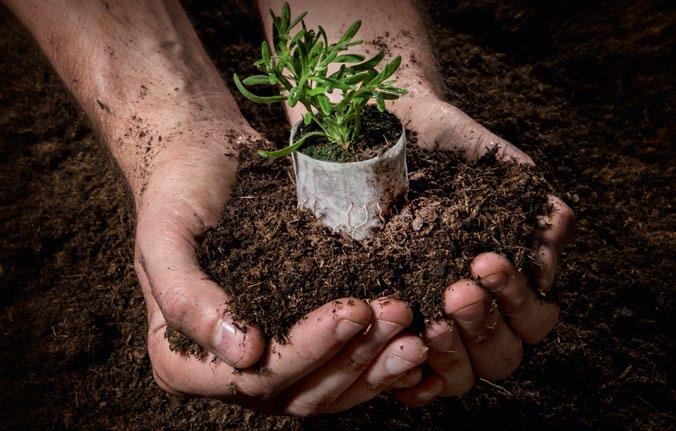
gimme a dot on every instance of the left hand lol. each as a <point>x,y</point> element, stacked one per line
<point>480,342</point>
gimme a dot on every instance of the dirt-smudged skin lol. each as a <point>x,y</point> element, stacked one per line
<point>584,87</point>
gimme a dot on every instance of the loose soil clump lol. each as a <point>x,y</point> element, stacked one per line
<point>277,263</point>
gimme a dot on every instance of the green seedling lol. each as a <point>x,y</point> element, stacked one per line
<point>299,65</point>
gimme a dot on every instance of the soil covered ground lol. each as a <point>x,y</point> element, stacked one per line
<point>586,88</point>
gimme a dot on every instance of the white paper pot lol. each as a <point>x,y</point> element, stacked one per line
<point>354,197</point>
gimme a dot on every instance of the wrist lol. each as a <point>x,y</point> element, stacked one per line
<point>425,114</point>
<point>148,144</point>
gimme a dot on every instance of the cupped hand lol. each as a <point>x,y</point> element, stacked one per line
<point>342,354</point>
<point>489,316</point>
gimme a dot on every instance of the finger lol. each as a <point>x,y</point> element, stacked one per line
<point>465,135</point>
<point>493,348</point>
<point>449,358</point>
<point>313,340</point>
<point>321,388</point>
<point>529,315</point>
<point>190,302</point>
<point>316,338</point>
<point>426,391</point>
<point>169,368</point>
<point>410,378</point>
<point>555,229</point>
<point>402,354</point>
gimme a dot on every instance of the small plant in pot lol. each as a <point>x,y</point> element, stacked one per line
<point>349,154</point>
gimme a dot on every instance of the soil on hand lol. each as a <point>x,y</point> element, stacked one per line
<point>380,130</point>
<point>277,263</point>
<point>585,88</point>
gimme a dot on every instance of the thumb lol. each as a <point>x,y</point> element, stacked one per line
<point>189,301</point>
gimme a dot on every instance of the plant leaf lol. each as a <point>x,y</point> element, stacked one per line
<point>249,95</point>
<point>322,32</point>
<point>324,104</point>
<point>265,52</point>
<point>307,118</point>
<point>298,19</point>
<point>391,67</point>
<point>317,90</point>
<point>286,16</point>
<point>291,148</point>
<point>370,63</point>
<point>349,58</point>
<point>295,95</point>
<point>350,32</point>
<point>257,80</point>
<point>354,79</point>
<point>389,96</point>
<point>296,38</point>
<point>331,83</point>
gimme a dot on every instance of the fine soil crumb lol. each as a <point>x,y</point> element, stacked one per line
<point>278,264</point>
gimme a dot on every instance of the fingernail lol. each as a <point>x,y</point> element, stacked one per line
<point>471,314</point>
<point>347,329</point>
<point>228,341</point>
<point>442,342</point>
<point>384,329</point>
<point>396,365</point>
<point>494,282</point>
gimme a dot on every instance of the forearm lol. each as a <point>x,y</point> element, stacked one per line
<point>139,72</point>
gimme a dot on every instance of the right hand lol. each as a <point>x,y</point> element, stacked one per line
<point>314,373</point>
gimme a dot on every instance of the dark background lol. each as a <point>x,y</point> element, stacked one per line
<point>585,87</point>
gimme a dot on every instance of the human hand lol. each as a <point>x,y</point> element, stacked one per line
<point>331,362</point>
<point>482,339</point>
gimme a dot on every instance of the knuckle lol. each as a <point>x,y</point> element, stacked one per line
<point>354,365</point>
<point>174,303</point>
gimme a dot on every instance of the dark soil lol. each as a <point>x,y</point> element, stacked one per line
<point>586,88</point>
<point>380,130</point>
<point>278,264</point>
